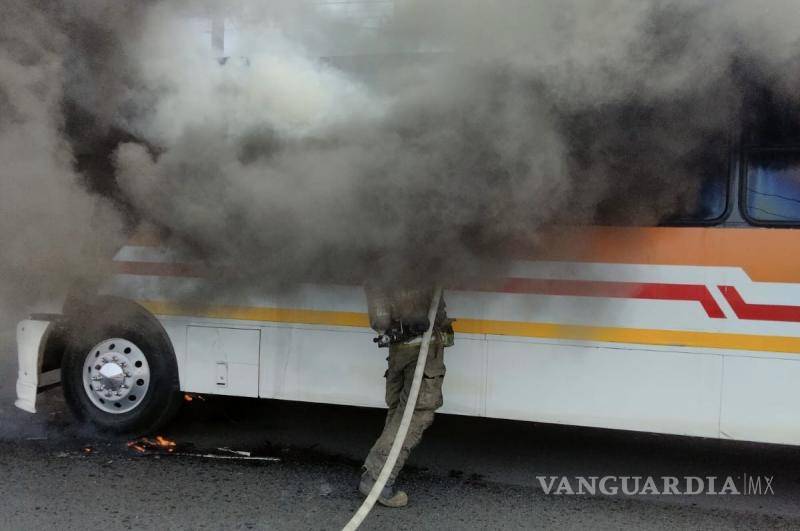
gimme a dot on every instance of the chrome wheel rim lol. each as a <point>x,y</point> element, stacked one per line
<point>116,375</point>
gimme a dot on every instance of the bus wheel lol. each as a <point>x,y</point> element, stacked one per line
<point>121,379</point>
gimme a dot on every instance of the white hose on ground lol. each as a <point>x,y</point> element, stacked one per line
<point>405,422</point>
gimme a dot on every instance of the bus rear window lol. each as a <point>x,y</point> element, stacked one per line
<point>772,194</point>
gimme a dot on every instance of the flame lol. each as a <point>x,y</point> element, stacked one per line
<point>134,445</point>
<point>88,450</point>
<point>164,442</point>
<point>188,398</point>
<point>159,442</point>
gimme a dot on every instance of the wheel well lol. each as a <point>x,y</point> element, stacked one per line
<point>80,315</point>
<point>54,346</point>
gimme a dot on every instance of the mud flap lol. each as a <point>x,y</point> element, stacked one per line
<point>30,335</point>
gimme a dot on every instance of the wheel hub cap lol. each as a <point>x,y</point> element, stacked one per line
<point>112,376</point>
<point>116,375</point>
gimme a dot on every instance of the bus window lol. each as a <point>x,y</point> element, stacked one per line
<point>707,200</point>
<point>772,193</point>
<point>711,200</point>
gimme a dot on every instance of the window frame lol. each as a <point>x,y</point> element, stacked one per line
<point>743,185</point>
<point>729,202</point>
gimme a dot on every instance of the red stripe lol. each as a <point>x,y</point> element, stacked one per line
<point>616,290</point>
<point>574,288</point>
<point>157,269</point>
<point>759,312</point>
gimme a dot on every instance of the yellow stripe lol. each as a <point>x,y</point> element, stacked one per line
<point>244,313</point>
<point>640,336</point>
<point>505,328</point>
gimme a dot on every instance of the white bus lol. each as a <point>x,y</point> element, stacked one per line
<point>691,329</point>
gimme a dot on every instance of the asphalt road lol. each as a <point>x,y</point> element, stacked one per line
<point>467,474</point>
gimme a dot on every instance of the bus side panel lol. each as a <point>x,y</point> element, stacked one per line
<point>761,400</point>
<point>343,366</point>
<point>222,360</point>
<point>465,382</point>
<point>643,390</point>
<point>310,364</point>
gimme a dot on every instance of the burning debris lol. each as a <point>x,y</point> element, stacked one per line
<point>189,397</point>
<point>159,446</point>
<point>88,450</point>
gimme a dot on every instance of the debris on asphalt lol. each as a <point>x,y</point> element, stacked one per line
<point>160,445</point>
<point>235,452</point>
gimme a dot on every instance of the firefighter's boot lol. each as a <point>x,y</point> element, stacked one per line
<point>388,496</point>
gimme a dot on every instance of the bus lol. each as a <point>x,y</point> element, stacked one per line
<point>688,329</point>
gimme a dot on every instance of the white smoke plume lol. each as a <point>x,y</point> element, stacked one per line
<point>420,147</point>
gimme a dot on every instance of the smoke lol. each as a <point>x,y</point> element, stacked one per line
<point>421,147</point>
<point>47,229</point>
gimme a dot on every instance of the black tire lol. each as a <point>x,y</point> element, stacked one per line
<point>162,399</point>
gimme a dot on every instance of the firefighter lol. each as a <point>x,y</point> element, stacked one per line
<point>400,316</point>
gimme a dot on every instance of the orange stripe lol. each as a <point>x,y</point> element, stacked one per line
<point>638,336</point>
<point>767,255</point>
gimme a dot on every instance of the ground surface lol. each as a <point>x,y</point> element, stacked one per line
<point>468,473</point>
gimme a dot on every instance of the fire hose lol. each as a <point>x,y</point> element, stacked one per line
<point>405,422</point>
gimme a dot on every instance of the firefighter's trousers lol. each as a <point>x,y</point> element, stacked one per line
<point>402,362</point>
